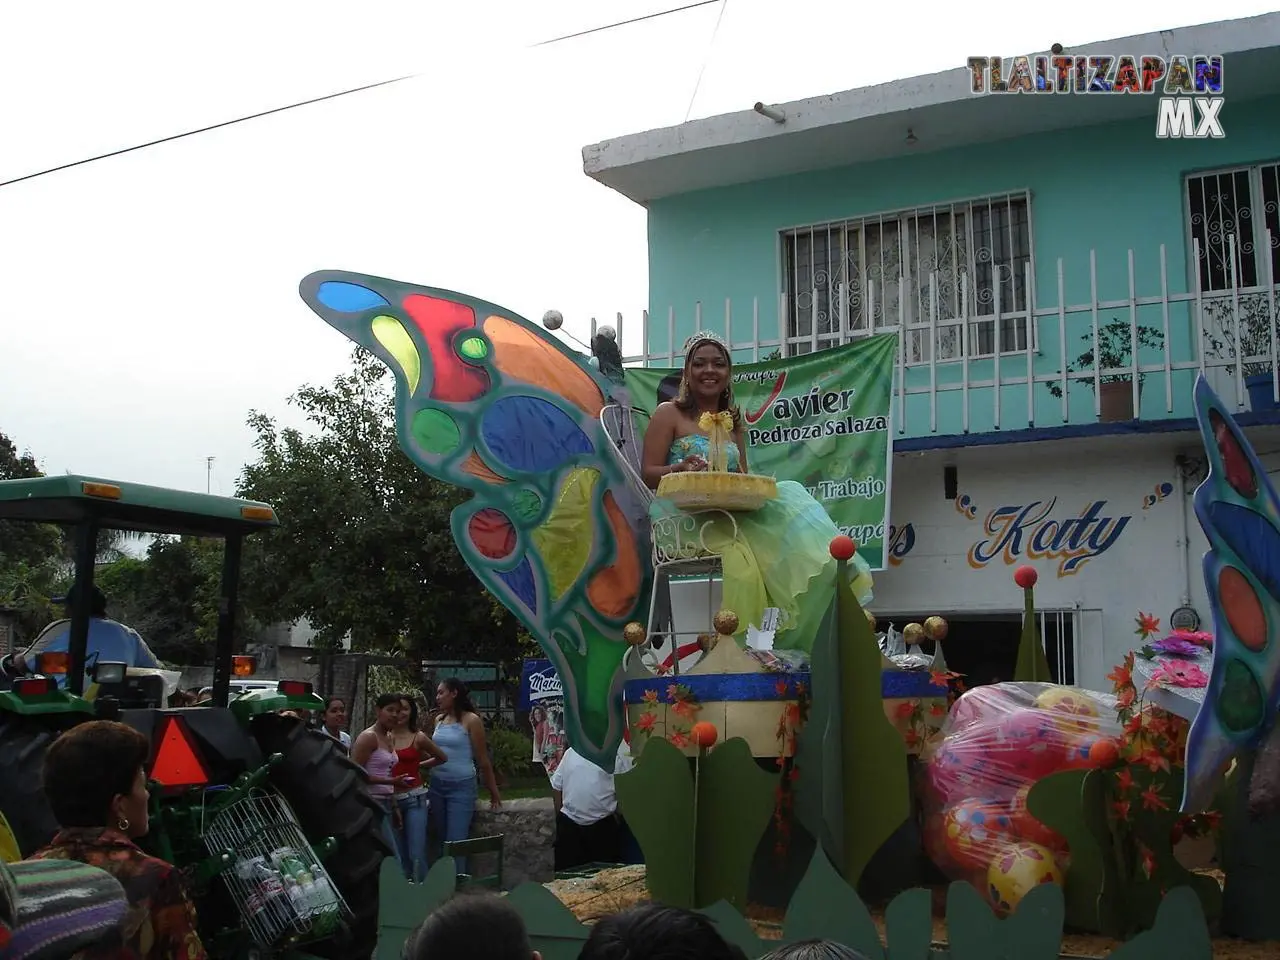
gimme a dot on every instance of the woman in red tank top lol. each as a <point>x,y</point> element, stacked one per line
<point>415,752</point>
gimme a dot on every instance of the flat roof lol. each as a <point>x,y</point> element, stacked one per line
<point>871,123</point>
<point>131,506</point>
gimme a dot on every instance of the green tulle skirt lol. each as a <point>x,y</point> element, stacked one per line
<point>778,556</point>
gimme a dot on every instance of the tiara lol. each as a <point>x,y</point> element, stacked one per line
<point>704,336</point>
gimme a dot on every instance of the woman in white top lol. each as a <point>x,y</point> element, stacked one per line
<point>334,719</point>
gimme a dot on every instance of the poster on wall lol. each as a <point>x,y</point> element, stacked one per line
<point>542,696</point>
<point>821,419</point>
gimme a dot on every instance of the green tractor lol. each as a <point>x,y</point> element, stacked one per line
<point>272,821</point>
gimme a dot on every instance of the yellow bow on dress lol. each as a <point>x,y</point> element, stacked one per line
<point>719,427</point>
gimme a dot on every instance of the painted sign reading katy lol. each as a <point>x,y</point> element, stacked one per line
<point>1020,532</point>
<point>1189,86</point>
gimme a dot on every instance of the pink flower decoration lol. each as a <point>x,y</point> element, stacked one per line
<point>1179,673</point>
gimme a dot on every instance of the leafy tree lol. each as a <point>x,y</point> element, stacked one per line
<point>171,597</point>
<point>29,552</point>
<point>364,545</point>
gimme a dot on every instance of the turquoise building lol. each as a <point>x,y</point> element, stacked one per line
<point>1021,246</point>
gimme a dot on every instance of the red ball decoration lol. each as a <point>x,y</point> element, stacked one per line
<point>1025,577</point>
<point>704,734</point>
<point>1104,752</point>
<point>843,547</point>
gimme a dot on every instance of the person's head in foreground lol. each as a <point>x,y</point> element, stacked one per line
<point>815,950</point>
<point>471,926</point>
<point>654,932</point>
<point>94,776</point>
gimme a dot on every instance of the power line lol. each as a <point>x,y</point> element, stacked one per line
<point>215,126</point>
<point>705,60</point>
<point>370,86</point>
<point>624,23</point>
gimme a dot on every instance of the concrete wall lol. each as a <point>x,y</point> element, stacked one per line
<point>1107,188</point>
<point>529,829</point>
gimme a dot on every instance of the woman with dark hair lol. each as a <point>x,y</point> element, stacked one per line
<point>815,950</point>
<point>459,732</point>
<point>538,723</point>
<point>475,926</point>
<point>772,555</point>
<point>415,752</point>
<point>96,782</point>
<point>654,932</point>
<point>373,750</point>
<point>334,719</point>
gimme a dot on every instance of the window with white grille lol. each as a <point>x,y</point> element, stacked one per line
<point>841,280</point>
<point>1234,217</point>
<point>1243,204</point>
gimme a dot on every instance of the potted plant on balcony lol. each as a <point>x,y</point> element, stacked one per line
<point>1115,350</point>
<point>1254,340</point>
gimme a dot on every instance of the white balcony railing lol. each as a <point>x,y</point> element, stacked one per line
<point>946,363</point>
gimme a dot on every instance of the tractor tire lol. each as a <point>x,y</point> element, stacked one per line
<point>23,744</point>
<point>329,794</point>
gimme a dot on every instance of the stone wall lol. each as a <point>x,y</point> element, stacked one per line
<point>529,830</point>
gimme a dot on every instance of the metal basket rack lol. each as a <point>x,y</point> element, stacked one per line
<point>282,891</point>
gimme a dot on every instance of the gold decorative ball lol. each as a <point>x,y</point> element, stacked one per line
<point>935,628</point>
<point>634,633</point>
<point>725,622</point>
<point>913,633</point>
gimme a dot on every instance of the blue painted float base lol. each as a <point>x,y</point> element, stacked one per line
<point>721,687</point>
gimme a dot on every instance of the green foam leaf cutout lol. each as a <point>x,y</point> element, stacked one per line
<point>825,907</point>
<point>656,799</point>
<point>733,927</point>
<point>1032,666</point>
<point>553,929</point>
<point>849,744</point>
<point>1032,932</point>
<point>1073,803</point>
<point>402,905</point>
<point>698,834</point>
<point>1179,932</point>
<point>1108,887</point>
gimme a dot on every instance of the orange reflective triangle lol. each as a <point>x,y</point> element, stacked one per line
<point>177,764</point>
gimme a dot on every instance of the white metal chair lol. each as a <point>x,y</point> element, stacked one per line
<point>679,554</point>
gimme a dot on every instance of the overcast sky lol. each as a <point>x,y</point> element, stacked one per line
<point>150,300</point>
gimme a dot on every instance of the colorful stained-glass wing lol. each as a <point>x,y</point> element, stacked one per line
<point>489,402</point>
<point>1240,513</point>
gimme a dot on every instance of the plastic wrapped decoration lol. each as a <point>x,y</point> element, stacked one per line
<point>489,402</point>
<point>999,740</point>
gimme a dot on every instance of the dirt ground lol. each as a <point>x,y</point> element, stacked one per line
<point>609,891</point>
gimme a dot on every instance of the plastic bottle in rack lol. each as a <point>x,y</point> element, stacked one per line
<point>285,859</point>
<point>267,900</point>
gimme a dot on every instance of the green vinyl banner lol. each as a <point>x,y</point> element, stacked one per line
<point>821,419</point>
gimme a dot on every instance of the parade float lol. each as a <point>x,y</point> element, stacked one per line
<point>1045,806</point>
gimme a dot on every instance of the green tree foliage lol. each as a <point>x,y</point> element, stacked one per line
<point>29,552</point>
<point>364,545</point>
<point>171,598</point>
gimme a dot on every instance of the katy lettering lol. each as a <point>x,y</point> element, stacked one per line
<point>1029,531</point>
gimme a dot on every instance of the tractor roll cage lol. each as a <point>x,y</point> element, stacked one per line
<point>89,504</point>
